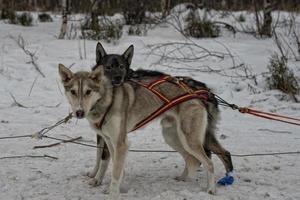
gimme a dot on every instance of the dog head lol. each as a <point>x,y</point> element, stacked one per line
<point>83,89</point>
<point>116,67</point>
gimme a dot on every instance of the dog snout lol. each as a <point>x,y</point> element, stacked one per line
<point>79,114</point>
<point>117,80</point>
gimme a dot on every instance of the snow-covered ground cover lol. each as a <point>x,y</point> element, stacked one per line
<point>148,175</point>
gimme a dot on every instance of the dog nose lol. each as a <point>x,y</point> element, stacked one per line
<point>79,114</point>
<point>117,80</point>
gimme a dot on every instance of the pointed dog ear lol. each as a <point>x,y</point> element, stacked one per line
<point>100,53</point>
<point>128,54</point>
<point>65,74</point>
<point>96,75</point>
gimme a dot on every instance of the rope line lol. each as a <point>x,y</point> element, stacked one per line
<point>42,133</point>
<point>156,150</point>
<point>258,113</point>
<point>15,137</point>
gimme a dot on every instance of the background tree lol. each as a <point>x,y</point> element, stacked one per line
<point>64,24</point>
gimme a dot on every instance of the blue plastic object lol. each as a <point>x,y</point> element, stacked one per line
<point>227,180</point>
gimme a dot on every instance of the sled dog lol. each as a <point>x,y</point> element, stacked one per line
<point>115,65</point>
<point>114,111</point>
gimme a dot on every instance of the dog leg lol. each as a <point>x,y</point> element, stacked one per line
<point>198,152</point>
<point>103,167</point>
<point>118,157</point>
<point>191,129</point>
<point>170,135</point>
<point>100,143</point>
<point>224,155</point>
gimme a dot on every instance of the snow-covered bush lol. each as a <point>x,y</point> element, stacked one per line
<point>8,14</point>
<point>139,30</point>
<point>281,77</point>
<point>113,32</point>
<point>199,27</point>
<point>202,29</point>
<point>109,32</point>
<point>25,19</point>
<point>134,30</point>
<point>44,17</point>
<point>134,11</point>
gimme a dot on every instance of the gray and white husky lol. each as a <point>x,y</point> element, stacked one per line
<point>118,110</point>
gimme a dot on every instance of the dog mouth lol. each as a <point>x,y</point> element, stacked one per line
<point>117,81</point>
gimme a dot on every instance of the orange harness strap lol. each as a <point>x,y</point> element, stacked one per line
<point>168,104</point>
<point>271,116</point>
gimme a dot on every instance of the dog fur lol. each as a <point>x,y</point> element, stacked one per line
<point>211,143</point>
<point>184,126</point>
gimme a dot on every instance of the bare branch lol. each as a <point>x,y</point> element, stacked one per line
<point>29,156</point>
<point>274,131</point>
<point>32,85</point>
<point>57,143</point>
<point>21,43</point>
<point>16,102</point>
<point>59,88</point>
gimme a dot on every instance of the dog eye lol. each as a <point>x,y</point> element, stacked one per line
<point>88,92</point>
<point>73,92</point>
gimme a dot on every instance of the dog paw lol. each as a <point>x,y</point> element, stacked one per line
<point>122,190</point>
<point>114,196</point>
<point>90,174</point>
<point>106,191</point>
<point>93,182</point>
<point>211,191</point>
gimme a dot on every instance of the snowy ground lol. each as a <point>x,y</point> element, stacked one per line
<point>148,176</point>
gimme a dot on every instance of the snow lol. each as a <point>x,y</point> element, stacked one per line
<point>148,175</point>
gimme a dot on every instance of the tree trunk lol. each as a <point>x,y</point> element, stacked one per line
<point>35,6</point>
<point>165,7</point>
<point>64,24</point>
<point>257,19</point>
<point>94,16</point>
<point>224,4</point>
<point>267,25</point>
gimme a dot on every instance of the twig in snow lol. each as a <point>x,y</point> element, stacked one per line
<point>79,50</point>
<point>273,131</point>
<point>54,106</point>
<point>59,88</point>
<point>71,65</point>
<point>29,156</point>
<point>32,85</point>
<point>16,102</point>
<point>187,51</point>
<point>57,143</point>
<point>84,48</point>
<point>21,43</point>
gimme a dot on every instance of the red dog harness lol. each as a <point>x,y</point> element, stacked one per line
<point>202,94</point>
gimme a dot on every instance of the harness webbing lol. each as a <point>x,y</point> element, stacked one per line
<point>168,104</point>
<point>258,113</point>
